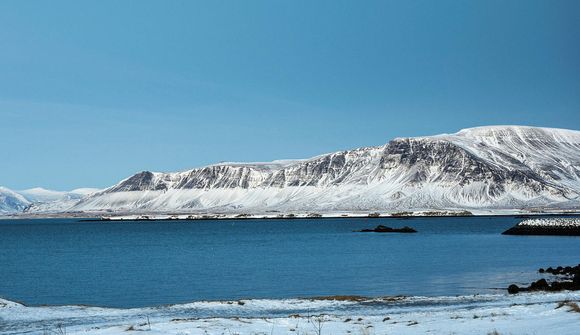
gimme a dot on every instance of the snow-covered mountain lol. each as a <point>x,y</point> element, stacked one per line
<point>40,200</point>
<point>498,167</point>
<point>39,194</point>
<point>11,202</point>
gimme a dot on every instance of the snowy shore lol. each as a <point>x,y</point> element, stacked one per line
<point>277,215</point>
<point>538,313</point>
<point>237,215</point>
<point>329,215</point>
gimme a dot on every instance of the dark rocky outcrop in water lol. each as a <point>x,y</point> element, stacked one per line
<point>546,226</point>
<point>558,231</point>
<point>567,278</point>
<point>385,229</point>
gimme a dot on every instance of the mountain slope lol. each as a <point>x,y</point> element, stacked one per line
<point>11,202</point>
<point>43,200</point>
<point>40,200</point>
<point>39,194</point>
<point>501,167</point>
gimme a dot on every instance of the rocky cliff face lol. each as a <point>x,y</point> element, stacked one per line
<point>505,167</point>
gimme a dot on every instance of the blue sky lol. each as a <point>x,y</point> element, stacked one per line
<point>93,91</point>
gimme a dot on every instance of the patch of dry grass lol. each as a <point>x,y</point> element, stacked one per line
<point>573,306</point>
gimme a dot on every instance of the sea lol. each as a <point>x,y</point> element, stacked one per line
<point>151,263</point>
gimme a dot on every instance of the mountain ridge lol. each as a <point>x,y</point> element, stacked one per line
<point>12,202</point>
<point>491,167</point>
<point>495,167</point>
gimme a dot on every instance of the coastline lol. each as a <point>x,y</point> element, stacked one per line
<point>193,216</point>
<point>476,314</point>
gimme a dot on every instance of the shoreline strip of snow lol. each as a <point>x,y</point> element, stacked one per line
<point>524,313</point>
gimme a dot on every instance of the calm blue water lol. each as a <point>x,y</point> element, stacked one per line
<point>132,264</point>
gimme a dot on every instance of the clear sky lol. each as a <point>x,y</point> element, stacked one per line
<point>94,91</point>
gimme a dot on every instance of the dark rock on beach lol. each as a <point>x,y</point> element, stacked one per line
<point>567,278</point>
<point>385,229</point>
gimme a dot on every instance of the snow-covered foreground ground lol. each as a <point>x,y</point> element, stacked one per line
<point>538,313</point>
